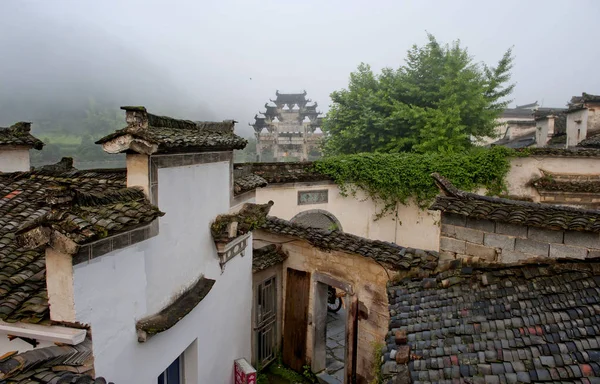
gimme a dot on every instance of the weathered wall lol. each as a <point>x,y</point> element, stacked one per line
<point>368,280</point>
<point>577,125</point>
<point>414,227</point>
<point>508,243</point>
<point>593,118</point>
<point>525,169</point>
<point>544,131</point>
<point>116,289</point>
<point>14,160</point>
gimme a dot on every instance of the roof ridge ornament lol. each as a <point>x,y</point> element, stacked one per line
<point>445,186</point>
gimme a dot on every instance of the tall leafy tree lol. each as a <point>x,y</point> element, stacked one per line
<point>439,100</point>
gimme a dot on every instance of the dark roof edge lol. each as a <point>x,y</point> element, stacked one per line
<point>396,257</point>
<point>450,190</point>
<point>177,310</point>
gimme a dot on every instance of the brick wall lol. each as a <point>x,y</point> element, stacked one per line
<point>367,278</point>
<point>462,236</point>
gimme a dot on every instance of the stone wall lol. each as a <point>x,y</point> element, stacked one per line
<point>367,278</point>
<point>462,236</point>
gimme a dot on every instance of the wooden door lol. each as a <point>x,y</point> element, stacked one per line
<point>296,319</point>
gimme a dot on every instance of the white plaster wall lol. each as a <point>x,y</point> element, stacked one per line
<point>414,228</point>
<point>572,127</point>
<point>115,290</point>
<point>525,169</point>
<point>14,160</point>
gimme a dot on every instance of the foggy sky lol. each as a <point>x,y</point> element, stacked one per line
<point>224,59</point>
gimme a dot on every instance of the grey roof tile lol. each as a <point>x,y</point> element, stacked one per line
<point>28,199</point>
<point>473,313</point>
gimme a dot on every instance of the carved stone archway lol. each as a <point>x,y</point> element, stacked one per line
<point>318,218</point>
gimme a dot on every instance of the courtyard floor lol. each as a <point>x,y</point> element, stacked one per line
<point>335,347</point>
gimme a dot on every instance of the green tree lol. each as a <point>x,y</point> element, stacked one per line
<point>437,101</point>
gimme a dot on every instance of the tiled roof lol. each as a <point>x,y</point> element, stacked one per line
<point>578,102</point>
<point>552,184</point>
<point>230,226</point>
<point>514,212</point>
<point>247,183</point>
<point>266,257</point>
<point>292,172</point>
<point>177,310</point>
<point>517,142</point>
<point>390,254</point>
<point>477,323</point>
<point>83,205</point>
<point>19,134</point>
<point>168,135</point>
<point>591,142</point>
<point>50,365</point>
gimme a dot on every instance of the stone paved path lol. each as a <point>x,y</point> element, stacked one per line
<point>336,345</point>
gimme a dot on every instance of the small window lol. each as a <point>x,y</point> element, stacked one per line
<point>173,374</point>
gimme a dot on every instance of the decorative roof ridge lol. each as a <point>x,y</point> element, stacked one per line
<point>555,217</point>
<point>148,134</point>
<point>174,312</point>
<point>247,182</point>
<point>450,190</point>
<point>232,225</point>
<point>395,256</point>
<point>20,134</point>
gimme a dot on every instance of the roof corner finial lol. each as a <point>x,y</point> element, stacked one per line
<point>445,186</point>
<point>136,117</point>
<point>22,127</point>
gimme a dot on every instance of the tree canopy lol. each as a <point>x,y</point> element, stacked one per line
<point>437,101</point>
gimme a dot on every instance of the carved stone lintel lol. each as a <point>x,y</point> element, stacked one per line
<point>229,250</point>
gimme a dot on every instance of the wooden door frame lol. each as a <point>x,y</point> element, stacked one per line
<point>289,357</point>
<point>320,283</point>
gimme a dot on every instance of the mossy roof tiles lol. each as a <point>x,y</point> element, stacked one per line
<point>50,365</point>
<point>591,142</point>
<point>83,205</point>
<point>514,212</point>
<point>174,136</point>
<point>19,135</point>
<point>266,257</point>
<point>493,323</point>
<point>247,183</point>
<point>392,255</point>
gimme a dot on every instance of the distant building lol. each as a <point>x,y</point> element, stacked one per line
<point>288,127</point>
<point>517,126</point>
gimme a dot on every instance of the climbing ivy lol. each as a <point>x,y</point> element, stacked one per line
<point>392,178</point>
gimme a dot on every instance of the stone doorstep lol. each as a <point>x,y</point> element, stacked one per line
<point>325,378</point>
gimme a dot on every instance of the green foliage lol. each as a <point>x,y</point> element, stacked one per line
<point>309,374</point>
<point>437,101</point>
<point>391,179</point>
<point>377,361</point>
<point>278,369</point>
<point>73,135</point>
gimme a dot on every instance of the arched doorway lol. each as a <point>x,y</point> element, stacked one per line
<point>317,218</point>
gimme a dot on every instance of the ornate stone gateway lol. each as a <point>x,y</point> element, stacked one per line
<point>288,127</point>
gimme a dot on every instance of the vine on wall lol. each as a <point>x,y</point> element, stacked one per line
<point>393,178</point>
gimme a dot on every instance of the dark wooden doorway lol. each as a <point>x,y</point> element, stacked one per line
<point>295,325</point>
